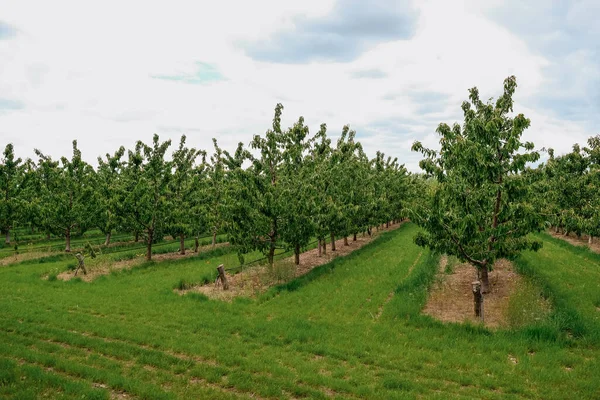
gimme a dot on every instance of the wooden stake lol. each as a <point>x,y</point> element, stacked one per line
<point>81,264</point>
<point>478,299</point>
<point>222,277</point>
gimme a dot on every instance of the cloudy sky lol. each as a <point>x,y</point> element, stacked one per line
<point>109,73</point>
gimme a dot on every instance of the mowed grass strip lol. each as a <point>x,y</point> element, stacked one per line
<point>348,329</point>
<point>570,277</point>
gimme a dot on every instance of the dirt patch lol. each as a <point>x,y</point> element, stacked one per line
<point>255,280</point>
<point>578,241</point>
<point>17,258</point>
<point>451,297</point>
<point>99,267</point>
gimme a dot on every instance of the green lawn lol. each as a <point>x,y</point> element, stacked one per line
<point>348,329</point>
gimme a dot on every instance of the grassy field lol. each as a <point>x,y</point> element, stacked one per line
<point>348,329</point>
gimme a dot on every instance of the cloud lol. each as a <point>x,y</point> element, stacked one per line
<point>369,74</point>
<point>7,31</point>
<point>204,73</point>
<point>391,70</point>
<point>10,105</point>
<point>351,28</point>
<point>567,34</point>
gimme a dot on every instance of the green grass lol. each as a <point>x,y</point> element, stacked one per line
<point>570,277</point>
<point>348,329</point>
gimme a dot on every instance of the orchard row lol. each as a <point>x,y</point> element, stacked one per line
<point>284,190</point>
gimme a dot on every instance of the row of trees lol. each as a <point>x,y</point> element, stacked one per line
<point>283,190</point>
<point>567,189</point>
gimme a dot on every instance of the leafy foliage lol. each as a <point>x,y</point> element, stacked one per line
<point>480,210</point>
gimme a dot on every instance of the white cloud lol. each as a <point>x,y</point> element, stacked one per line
<point>84,71</point>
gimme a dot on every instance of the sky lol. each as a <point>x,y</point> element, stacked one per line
<point>113,72</point>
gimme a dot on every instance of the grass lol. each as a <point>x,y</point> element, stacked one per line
<point>528,305</point>
<point>570,278</point>
<point>348,329</point>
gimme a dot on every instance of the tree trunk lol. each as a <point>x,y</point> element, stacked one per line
<point>297,254</point>
<point>346,241</point>
<point>556,229</point>
<point>137,237</point>
<point>214,240</point>
<point>196,244</point>
<point>324,246</point>
<point>149,246</point>
<point>485,280</point>
<point>590,239</point>
<point>68,241</point>
<point>181,244</point>
<point>107,241</point>
<point>369,231</point>
<point>478,299</point>
<point>387,224</point>
<point>271,255</point>
<point>320,249</point>
<point>47,236</point>
<point>7,240</point>
<point>354,238</point>
<point>332,241</point>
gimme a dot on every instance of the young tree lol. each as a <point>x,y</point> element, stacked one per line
<point>11,174</point>
<point>67,192</point>
<point>108,215</point>
<point>144,191</point>
<point>480,210</point>
<point>593,188</point>
<point>182,188</point>
<point>265,180</point>
<point>295,190</point>
<point>568,188</point>
<point>216,188</point>
<point>319,162</point>
<point>31,203</point>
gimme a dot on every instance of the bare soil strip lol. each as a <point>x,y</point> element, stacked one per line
<point>17,258</point>
<point>255,280</point>
<point>451,296</point>
<point>578,241</point>
<point>105,267</point>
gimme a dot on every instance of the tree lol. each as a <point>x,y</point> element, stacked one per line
<point>593,188</point>
<point>182,188</point>
<point>31,205</point>
<point>265,171</point>
<point>67,190</point>
<point>11,174</point>
<point>108,215</point>
<point>480,210</point>
<point>568,176</point>
<point>216,187</point>
<point>144,191</point>
<point>295,189</point>
<point>319,161</point>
